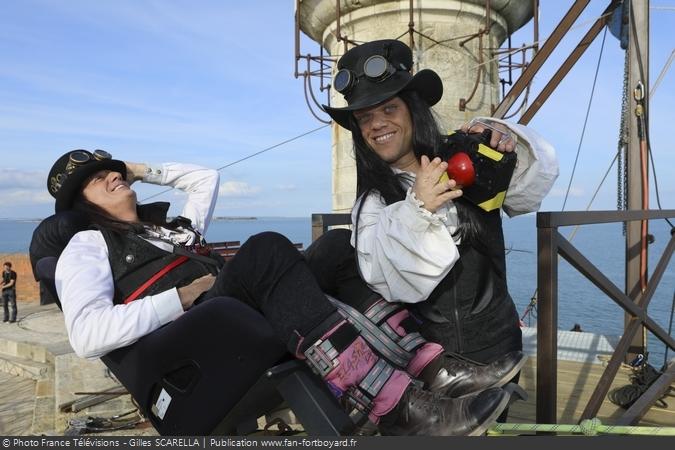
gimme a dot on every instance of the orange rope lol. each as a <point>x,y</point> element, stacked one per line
<point>645,206</point>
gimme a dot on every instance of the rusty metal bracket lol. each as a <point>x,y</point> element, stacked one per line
<point>540,58</point>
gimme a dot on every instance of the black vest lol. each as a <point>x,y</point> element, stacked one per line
<point>134,260</point>
<point>470,311</point>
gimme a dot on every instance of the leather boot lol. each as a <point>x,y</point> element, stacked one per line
<point>420,412</point>
<point>449,374</point>
<point>456,376</point>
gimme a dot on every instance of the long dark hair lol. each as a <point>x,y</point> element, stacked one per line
<point>374,174</point>
<point>99,218</point>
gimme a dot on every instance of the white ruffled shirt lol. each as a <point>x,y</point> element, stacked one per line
<point>84,279</point>
<point>405,251</point>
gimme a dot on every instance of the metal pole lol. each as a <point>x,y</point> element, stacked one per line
<point>297,36</point>
<point>638,54</point>
<point>547,321</point>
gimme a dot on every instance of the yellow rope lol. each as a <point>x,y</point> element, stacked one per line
<point>588,427</point>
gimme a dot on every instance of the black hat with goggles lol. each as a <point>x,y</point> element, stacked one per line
<point>73,168</point>
<point>376,71</point>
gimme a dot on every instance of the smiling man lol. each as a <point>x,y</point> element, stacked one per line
<point>387,128</point>
<point>418,240</point>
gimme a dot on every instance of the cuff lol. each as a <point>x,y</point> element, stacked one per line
<point>154,174</point>
<point>167,306</point>
<point>418,205</point>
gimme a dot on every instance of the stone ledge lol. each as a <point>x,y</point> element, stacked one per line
<point>43,411</point>
<point>25,350</point>
<point>25,368</point>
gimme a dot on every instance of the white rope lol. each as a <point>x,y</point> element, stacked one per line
<point>666,66</point>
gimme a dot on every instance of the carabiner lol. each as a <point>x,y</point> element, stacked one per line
<point>639,92</point>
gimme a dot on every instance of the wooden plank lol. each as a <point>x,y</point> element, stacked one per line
<point>547,323</point>
<point>575,384</point>
<point>17,398</point>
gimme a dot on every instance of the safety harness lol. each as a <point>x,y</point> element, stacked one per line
<point>395,352</point>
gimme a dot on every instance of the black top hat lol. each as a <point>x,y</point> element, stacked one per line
<point>73,168</point>
<point>391,75</point>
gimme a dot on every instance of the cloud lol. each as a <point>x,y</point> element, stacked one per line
<point>560,192</point>
<point>238,189</point>
<point>287,187</point>
<point>22,188</point>
<point>22,179</point>
<point>25,197</point>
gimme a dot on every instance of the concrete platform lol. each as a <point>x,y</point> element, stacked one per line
<point>40,373</point>
<point>572,346</point>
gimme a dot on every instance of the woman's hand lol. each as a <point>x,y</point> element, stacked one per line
<point>429,189</point>
<point>188,294</point>
<point>135,171</point>
<point>502,139</point>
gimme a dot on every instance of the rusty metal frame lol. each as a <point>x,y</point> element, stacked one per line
<point>540,55</point>
<point>564,69</point>
<point>481,69</point>
<point>540,58</point>
<point>551,243</point>
<point>325,62</point>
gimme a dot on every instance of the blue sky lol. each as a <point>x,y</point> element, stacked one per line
<point>212,82</point>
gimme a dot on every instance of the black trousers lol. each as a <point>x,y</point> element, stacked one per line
<point>271,275</point>
<point>332,260</point>
<point>9,304</point>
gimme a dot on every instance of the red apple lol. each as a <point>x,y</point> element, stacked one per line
<point>460,169</point>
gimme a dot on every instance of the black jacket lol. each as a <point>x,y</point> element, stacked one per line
<point>133,261</point>
<point>470,311</point>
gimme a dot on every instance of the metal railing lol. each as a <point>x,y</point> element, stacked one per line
<point>322,222</point>
<point>550,244</point>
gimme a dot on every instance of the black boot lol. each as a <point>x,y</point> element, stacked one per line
<point>455,376</point>
<point>420,412</point>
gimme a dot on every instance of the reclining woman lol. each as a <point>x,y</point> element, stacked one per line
<point>128,277</point>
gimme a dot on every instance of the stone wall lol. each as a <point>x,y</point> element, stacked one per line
<point>437,46</point>
<point>27,289</point>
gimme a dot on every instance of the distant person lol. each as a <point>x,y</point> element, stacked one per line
<point>577,328</point>
<point>9,293</point>
<point>128,277</point>
<point>418,240</point>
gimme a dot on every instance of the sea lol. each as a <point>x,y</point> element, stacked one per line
<point>580,302</point>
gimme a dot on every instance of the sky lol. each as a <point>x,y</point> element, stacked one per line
<point>212,82</point>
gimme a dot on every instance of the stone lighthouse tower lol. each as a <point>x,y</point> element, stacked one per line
<point>455,38</point>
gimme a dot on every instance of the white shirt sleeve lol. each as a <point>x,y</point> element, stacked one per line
<point>200,184</point>
<point>536,171</point>
<point>84,283</point>
<point>404,251</point>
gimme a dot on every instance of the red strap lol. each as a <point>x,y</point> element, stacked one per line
<point>166,269</point>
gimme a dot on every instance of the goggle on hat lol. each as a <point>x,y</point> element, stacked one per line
<point>73,168</point>
<point>376,71</point>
